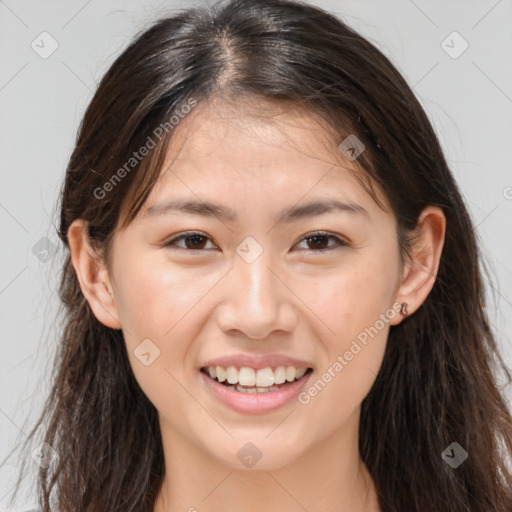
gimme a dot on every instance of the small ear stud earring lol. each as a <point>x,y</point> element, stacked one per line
<point>403,309</point>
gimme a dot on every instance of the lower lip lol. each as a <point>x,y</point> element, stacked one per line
<point>255,402</point>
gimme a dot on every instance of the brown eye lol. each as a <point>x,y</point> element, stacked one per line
<point>196,241</point>
<point>319,241</point>
<point>192,241</point>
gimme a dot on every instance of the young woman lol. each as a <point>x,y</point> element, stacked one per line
<point>273,298</point>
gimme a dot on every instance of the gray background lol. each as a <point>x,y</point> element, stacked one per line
<point>468,99</point>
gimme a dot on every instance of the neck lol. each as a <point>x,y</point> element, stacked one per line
<point>328,477</point>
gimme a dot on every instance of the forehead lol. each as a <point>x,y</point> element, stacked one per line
<point>219,124</point>
<point>263,148</point>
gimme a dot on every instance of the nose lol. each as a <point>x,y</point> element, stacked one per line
<point>256,302</point>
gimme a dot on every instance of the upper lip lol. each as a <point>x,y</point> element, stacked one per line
<point>257,362</point>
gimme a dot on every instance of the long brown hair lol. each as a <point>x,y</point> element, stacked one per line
<point>438,380</point>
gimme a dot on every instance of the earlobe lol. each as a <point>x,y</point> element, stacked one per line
<point>92,275</point>
<point>420,271</point>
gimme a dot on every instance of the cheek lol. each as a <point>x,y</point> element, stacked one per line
<point>352,297</point>
<point>160,304</point>
<point>155,296</point>
<point>159,309</point>
<point>341,386</point>
<point>355,304</point>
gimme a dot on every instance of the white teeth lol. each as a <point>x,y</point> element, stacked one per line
<point>246,390</point>
<point>264,377</point>
<point>257,379</point>
<point>221,373</point>
<point>254,389</point>
<point>291,371</point>
<point>300,373</point>
<point>247,377</point>
<point>280,375</point>
<point>232,375</point>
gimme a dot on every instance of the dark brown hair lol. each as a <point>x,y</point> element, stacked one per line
<point>437,383</point>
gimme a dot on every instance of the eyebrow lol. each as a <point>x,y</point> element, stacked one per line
<point>209,209</point>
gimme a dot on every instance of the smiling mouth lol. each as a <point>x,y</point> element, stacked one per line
<point>270,386</point>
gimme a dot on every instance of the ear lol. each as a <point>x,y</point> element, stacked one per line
<point>92,275</point>
<point>420,271</point>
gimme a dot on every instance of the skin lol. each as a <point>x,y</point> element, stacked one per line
<point>198,304</point>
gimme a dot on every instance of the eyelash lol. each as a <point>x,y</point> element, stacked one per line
<point>339,241</point>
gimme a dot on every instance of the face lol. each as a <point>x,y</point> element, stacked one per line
<point>265,280</point>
